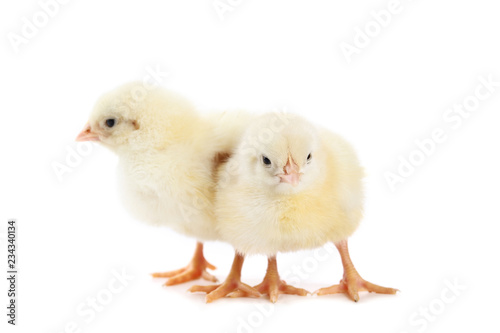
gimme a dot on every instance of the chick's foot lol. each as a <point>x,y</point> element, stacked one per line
<point>230,285</point>
<point>196,269</point>
<point>352,282</point>
<point>272,285</point>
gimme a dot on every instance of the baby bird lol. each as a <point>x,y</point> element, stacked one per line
<point>168,156</point>
<point>289,186</point>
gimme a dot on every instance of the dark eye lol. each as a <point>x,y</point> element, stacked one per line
<point>266,161</point>
<point>110,122</point>
<point>309,157</point>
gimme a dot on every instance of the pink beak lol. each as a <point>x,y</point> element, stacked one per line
<point>291,173</point>
<point>87,135</point>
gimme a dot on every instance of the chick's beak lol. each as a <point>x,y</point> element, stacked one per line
<point>291,173</point>
<point>87,135</point>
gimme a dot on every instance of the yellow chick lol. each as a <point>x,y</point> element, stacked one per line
<point>168,155</point>
<point>289,186</point>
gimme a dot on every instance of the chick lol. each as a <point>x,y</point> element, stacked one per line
<point>168,156</point>
<point>292,187</point>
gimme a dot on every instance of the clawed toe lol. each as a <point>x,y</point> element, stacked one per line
<point>352,285</point>
<point>228,288</point>
<point>196,269</point>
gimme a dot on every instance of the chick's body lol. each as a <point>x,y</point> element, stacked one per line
<point>168,155</point>
<point>288,186</point>
<point>172,186</point>
<point>258,220</point>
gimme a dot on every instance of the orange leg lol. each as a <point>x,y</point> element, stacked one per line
<point>196,269</point>
<point>273,286</point>
<point>231,284</point>
<point>352,282</point>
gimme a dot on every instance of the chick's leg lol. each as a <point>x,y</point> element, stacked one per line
<point>272,284</point>
<point>231,284</point>
<point>196,269</point>
<point>352,282</point>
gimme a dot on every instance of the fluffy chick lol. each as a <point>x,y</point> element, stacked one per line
<point>168,155</point>
<point>291,186</point>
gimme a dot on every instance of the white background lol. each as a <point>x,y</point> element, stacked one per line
<point>440,225</point>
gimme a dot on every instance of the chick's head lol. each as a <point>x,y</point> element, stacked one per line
<point>134,116</point>
<point>281,151</point>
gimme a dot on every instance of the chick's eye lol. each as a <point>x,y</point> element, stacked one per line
<point>266,161</point>
<point>309,157</point>
<point>110,122</point>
